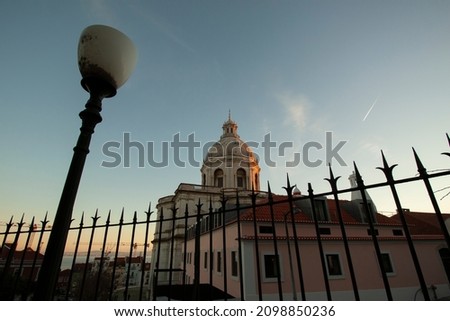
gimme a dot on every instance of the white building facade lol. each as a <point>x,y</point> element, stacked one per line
<point>229,168</point>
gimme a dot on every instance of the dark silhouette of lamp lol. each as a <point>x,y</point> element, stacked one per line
<point>106,59</point>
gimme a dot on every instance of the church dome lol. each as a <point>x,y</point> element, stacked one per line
<point>230,162</point>
<point>229,147</point>
<point>230,144</point>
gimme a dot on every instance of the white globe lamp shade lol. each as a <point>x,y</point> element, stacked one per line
<point>106,54</point>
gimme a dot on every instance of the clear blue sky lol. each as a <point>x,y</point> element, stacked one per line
<point>374,73</point>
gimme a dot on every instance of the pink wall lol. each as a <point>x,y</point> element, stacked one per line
<point>362,250</point>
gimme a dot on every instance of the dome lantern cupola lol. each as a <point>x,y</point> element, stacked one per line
<point>230,162</point>
<point>229,127</point>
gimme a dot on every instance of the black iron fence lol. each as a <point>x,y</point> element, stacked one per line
<point>102,261</point>
<point>111,260</point>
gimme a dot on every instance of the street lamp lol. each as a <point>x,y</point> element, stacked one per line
<point>106,59</point>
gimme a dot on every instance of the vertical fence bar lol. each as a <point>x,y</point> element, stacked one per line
<point>362,189</point>
<point>33,266</point>
<point>4,277</point>
<point>186,215</point>
<point>158,255</point>
<point>102,256</point>
<point>211,252</point>
<point>12,250</point>
<point>88,254</point>
<point>196,293</point>
<point>8,228</point>
<point>289,189</point>
<point>253,196</point>
<point>172,249</point>
<point>130,256</point>
<point>241,272</point>
<point>291,266</point>
<point>146,244</point>
<point>319,241</point>
<point>333,182</point>
<point>22,259</point>
<point>388,172</point>
<point>74,259</point>
<point>275,244</point>
<point>116,255</point>
<point>224,246</point>
<point>424,176</point>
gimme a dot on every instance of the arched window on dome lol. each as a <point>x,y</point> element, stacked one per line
<point>218,178</point>
<point>241,178</point>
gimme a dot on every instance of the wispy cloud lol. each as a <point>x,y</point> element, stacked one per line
<point>164,26</point>
<point>168,31</point>
<point>100,10</point>
<point>371,147</point>
<point>296,109</point>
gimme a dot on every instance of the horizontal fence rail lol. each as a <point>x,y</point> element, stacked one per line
<point>179,253</point>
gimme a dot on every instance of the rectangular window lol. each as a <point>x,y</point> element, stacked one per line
<point>387,263</point>
<point>321,210</point>
<point>218,219</point>
<point>202,226</point>
<point>270,266</point>
<point>219,262</point>
<point>266,229</point>
<point>220,182</point>
<point>397,232</point>
<point>333,265</point>
<point>234,263</point>
<point>214,218</point>
<point>240,182</point>
<point>207,223</point>
<point>444,253</point>
<point>205,260</point>
<point>325,230</point>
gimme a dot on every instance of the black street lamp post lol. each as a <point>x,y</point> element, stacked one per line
<point>106,58</point>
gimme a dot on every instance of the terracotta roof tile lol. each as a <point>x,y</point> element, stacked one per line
<point>281,207</point>
<point>420,223</point>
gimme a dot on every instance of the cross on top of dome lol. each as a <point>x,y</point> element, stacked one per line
<point>229,127</point>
